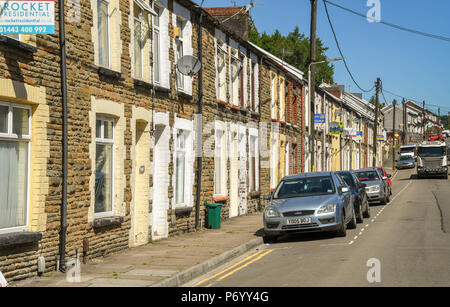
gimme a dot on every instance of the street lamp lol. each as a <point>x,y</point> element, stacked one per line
<point>312,110</point>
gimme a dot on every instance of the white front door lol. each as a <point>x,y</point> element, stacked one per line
<point>161,156</point>
<point>234,174</point>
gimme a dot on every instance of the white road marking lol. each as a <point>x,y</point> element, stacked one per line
<point>351,242</point>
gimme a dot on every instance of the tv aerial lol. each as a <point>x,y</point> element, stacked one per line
<point>189,65</point>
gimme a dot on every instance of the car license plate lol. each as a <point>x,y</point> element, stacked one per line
<point>304,220</point>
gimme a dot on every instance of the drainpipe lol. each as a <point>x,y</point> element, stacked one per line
<point>62,48</point>
<point>200,120</point>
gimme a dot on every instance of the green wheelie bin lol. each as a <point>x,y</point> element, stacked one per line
<point>214,213</point>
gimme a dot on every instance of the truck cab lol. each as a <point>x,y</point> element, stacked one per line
<point>432,159</point>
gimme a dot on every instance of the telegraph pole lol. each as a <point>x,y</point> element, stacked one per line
<point>312,59</point>
<point>375,125</point>
<point>394,103</point>
<point>405,137</point>
<point>423,120</point>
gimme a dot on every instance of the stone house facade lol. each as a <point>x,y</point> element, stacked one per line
<point>134,130</point>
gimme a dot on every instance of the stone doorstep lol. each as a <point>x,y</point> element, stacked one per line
<point>121,282</point>
<point>151,272</point>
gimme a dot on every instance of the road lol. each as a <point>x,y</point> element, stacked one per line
<point>410,237</point>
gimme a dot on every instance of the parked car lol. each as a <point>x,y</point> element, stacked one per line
<point>406,162</point>
<point>386,178</point>
<point>358,189</point>
<point>310,202</point>
<point>376,189</point>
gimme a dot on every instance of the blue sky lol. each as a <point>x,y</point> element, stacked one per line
<point>410,65</point>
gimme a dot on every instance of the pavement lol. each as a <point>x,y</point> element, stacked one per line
<point>169,262</point>
<point>404,243</point>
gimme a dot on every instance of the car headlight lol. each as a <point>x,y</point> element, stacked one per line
<point>330,208</point>
<point>374,188</point>
<point>272,213</point>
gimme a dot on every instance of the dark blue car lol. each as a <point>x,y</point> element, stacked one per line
<point>358,189</point>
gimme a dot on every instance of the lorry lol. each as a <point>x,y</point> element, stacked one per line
<point>432,159</point>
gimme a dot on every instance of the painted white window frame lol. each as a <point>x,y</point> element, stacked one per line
<point>141,20</point>
<point>253,152</point>
<point>221,52</point>
<point>156,60</point>
<point>180,78</point>
<point>10,136</point>
<point>104,141</point>
<point>236,83</point>
<point>273,102</point>
<point>108,19</point>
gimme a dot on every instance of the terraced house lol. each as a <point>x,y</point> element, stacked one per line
<point>135,129</point>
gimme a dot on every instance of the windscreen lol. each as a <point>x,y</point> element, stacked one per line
<point>406,158</point>
<point>431,151</point>
<point>305,187</point>
<point>368,175</point>
<point>347,178</point>
<point>406,150</point>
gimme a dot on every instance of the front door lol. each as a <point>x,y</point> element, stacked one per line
<point>160,227</point>
<point>234,174</point>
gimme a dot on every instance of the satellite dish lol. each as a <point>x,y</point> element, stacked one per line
<point>188,65</point>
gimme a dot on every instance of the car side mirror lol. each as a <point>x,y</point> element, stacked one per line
<point>344,189</point>
<point>385,178</point>
<point>267,197</point>
<point>363,185</point>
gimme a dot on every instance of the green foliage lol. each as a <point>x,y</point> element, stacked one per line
<point>297,44</point>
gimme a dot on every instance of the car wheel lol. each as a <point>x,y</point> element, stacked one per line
<point>352,223</point>
<point>342,231</point>
<point>359,217</point>
<point>367,211</point>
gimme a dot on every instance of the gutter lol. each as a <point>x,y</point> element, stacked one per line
<point>200,120</point>
<point>62,47</point>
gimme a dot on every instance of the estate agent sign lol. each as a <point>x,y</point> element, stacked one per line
<point>27,17</point>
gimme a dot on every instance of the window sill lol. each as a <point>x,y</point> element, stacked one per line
<point>107,221</point>
<point>184,95</point>
<point>161,89</point>
<point>184,210</point>
<point>18,238</point>
<point>244,110</point>
<point>109,72</point>
<point>142,83</point>
<point>255,194</point>
<point>220,198</point>
<point>222,102</point>
<point>255,114</point>
<point>235,107</point>
<point>17,44</point>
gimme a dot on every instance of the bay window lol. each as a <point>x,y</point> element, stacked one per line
<point>104,166</point>
<point>15,132</point>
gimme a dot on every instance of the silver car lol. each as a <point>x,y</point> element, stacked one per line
<point>407,161</point>
<point>310,202</point>
<point>376,188</point>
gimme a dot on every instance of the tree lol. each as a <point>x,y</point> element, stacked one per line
<point>298,45</point>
